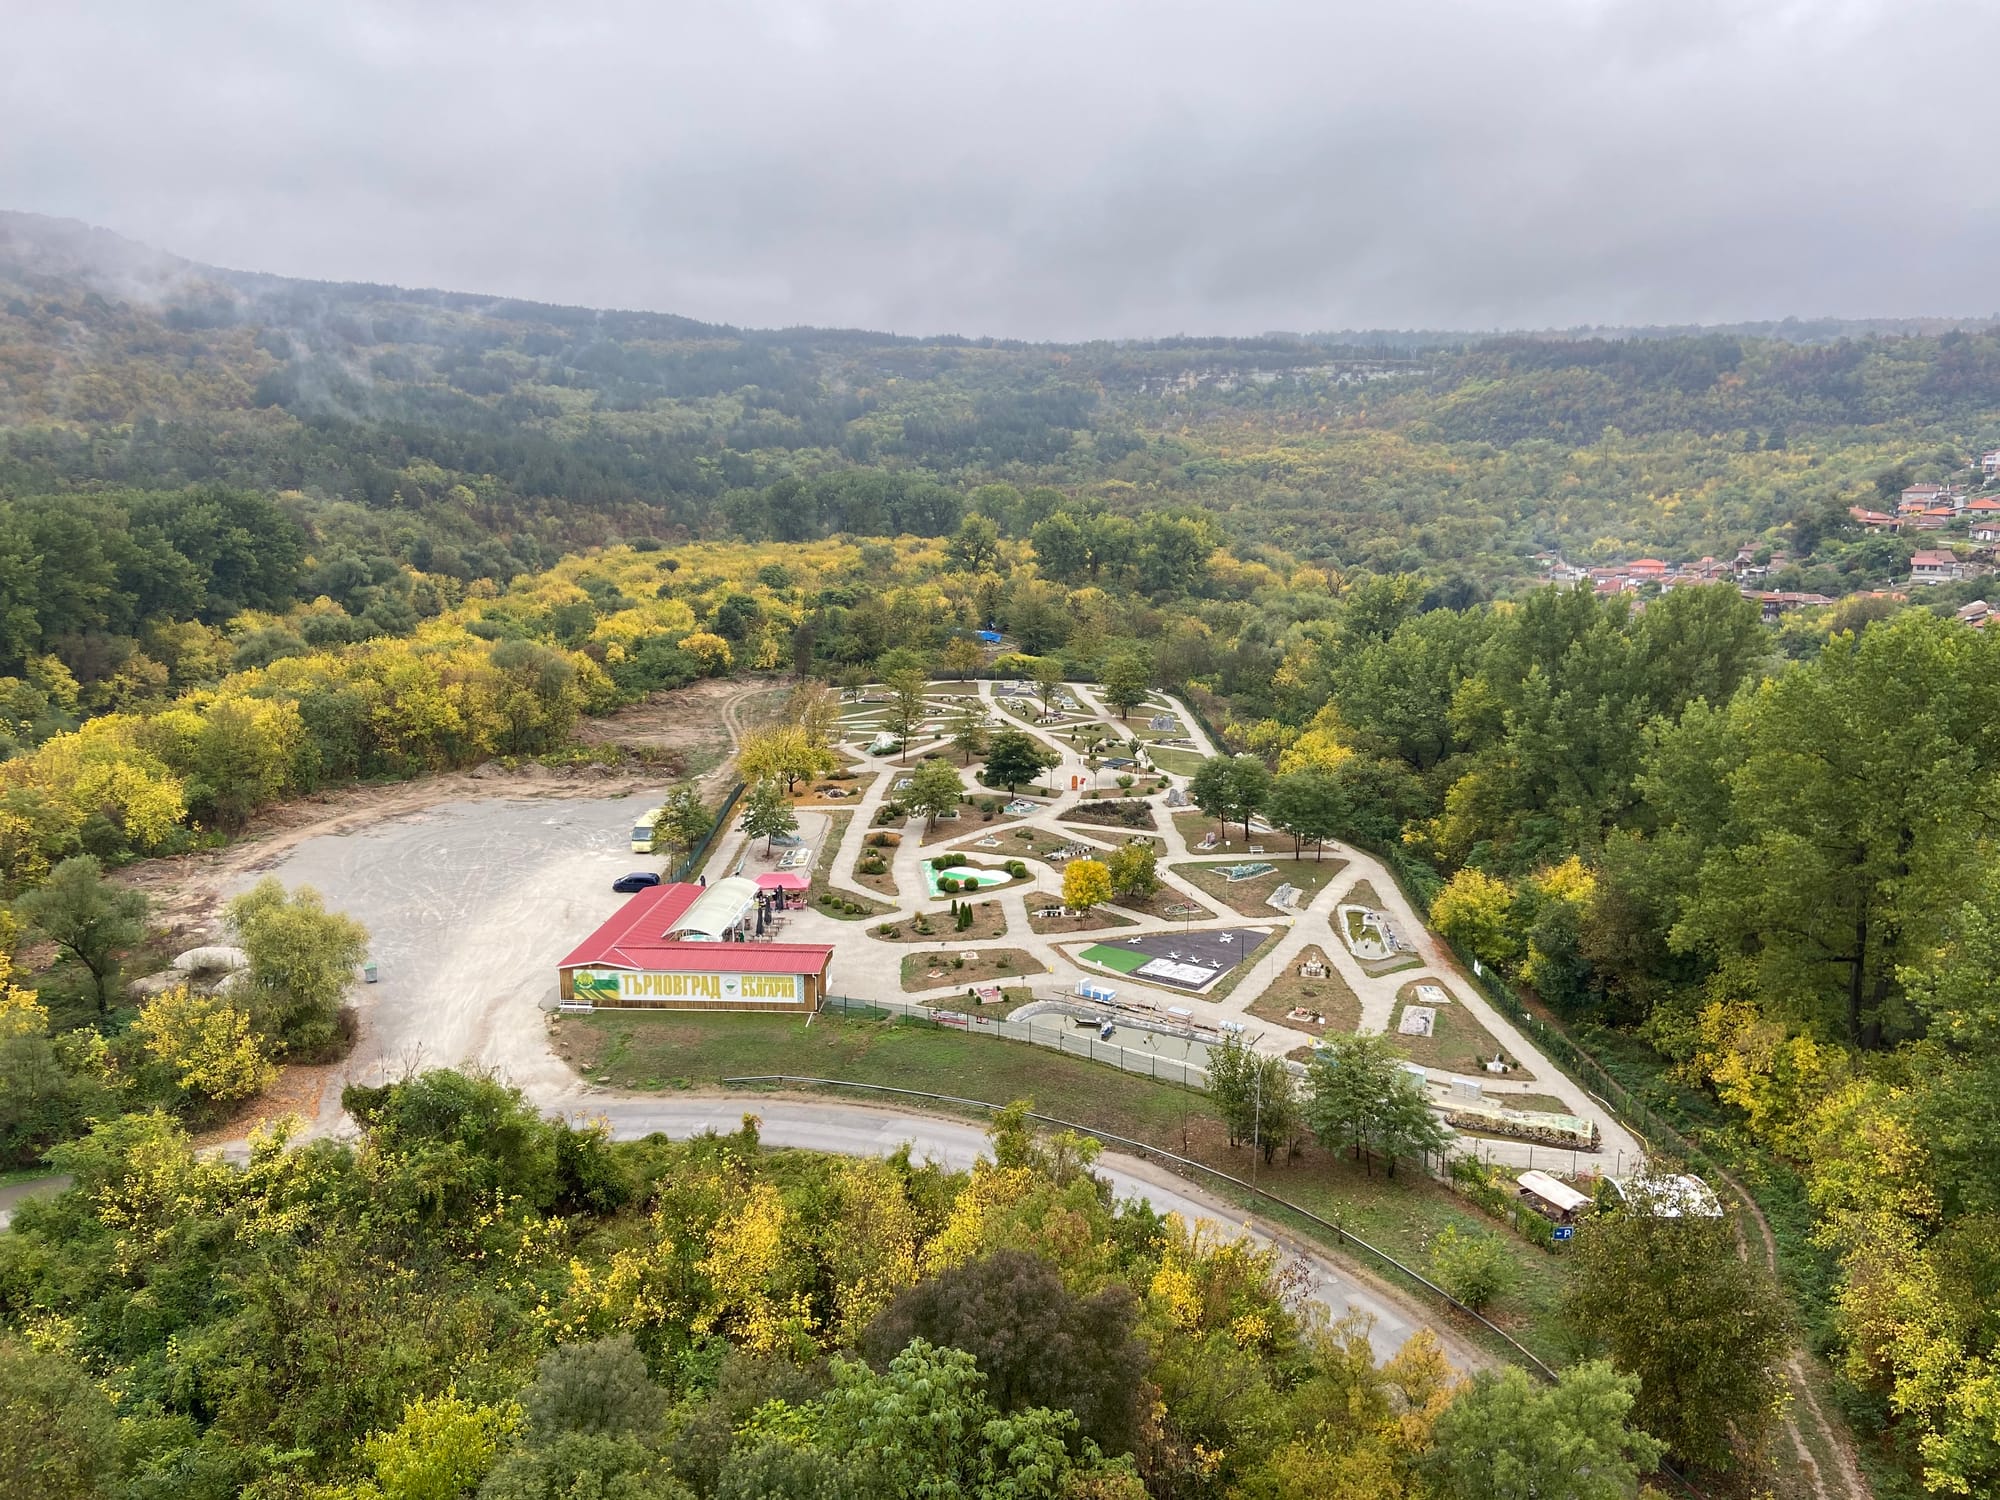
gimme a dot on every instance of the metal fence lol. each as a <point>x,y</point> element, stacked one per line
<point>1043,1033</point>
<point>699,853</point>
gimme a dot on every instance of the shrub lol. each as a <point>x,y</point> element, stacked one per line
<point>1474,1268</point>
<point>949,861</point>
<point>1017,869</point>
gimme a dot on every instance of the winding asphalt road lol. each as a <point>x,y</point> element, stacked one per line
<point>869,1130</point>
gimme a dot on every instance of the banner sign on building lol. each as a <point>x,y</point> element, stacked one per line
<point>626,987</point>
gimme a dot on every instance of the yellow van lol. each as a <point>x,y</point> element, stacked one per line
<point>642,831</point>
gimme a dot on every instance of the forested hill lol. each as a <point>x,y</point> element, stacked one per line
<point>488,435</point>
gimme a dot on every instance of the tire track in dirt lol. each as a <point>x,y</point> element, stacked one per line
<point>1851,1484</point>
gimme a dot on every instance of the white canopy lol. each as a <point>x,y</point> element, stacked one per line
<point>716,910</point>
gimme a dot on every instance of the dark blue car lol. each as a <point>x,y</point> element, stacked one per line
<point>638,880</point>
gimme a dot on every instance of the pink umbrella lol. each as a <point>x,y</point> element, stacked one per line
<point>783,880</point>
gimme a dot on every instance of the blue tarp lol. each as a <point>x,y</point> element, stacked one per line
<point>988,637</point>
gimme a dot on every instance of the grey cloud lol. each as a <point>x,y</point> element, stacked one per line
<point>1041,169</point>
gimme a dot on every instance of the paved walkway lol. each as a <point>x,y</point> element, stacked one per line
<point>869,967</point>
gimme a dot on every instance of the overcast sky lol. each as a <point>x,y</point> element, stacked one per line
<point>1063,169</point>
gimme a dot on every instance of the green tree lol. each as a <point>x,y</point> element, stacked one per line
<point>1061,551</point>
<point>1253,1094</point>
<point>1358,1095</point>
<point>1231,788</point>
<point>58,1431</point>
<point>1504,1438</point>
<point>906,704</point>
<point>88,918</point>
<point>599,1388</point>
<point>302,961</point>
<point>578,1464</point>
<point>1016,756</point>
<point>1474,912</point>
<point>1047,673</point>
<point>788,752</point>
<point>968,732</point>
<point>1845,847</point>
<point>1134,869</point>
<point>1308,805</point>
<point>682,822</point>
<point>767,812</point>
<point>963,656</point>
<point>1127,677</point>
<point>1212,788</point>
<point>976,548</point>
<point>935,791</point>
<point>1037,1342</point>
<point>440,1450</point>
<point>1671,1300</point>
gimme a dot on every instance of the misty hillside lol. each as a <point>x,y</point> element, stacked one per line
<point>514,429</point>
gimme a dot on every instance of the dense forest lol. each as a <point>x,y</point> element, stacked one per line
<point>476,437</point>
<point>258,537</point>
<point>475,1301</point>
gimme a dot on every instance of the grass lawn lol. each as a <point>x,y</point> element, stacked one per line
<point>1012,998</point>
<point>682,1049</point>
<point>1330,997</point>
<point>1095,920</point>
<point>836,826</point>
<point>988,921</point>
<point>1250,898</point>
<point>985,966</point>
<point>1173,758</point>
<point>1457,1043</point>
<point>1363,894</point>
<point>1117,814</point>
<point>884,881</point>
<point>1168,904</point>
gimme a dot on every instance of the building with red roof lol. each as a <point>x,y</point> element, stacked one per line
<point>690,947</point>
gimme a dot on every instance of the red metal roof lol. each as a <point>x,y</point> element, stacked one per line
<point>635,938</point>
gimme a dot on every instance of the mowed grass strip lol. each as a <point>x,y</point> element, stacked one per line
<point>691,1050</point>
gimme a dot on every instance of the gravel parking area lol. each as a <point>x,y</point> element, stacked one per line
<point>468,906</point>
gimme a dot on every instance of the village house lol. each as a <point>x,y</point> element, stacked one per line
<point>1777,602</point>
<point>1941,567</point>
<point>1987,530</point>
<point>1920,497</point>
<point>1989,463</point>
<point>1874,520</point>
<point>1975,614</point>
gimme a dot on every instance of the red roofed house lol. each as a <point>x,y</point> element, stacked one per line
<point>1646,567</point>
<point>685,947</point>
<point>1873,520</point>
<point>1939,567</point>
